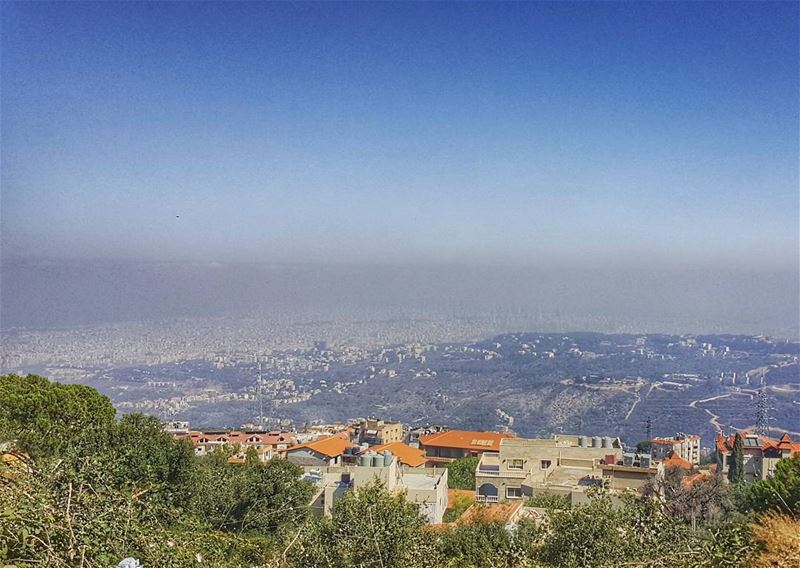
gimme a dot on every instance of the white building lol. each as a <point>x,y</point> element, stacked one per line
<point>426,487</point>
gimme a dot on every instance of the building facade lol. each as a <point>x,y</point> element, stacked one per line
<point>563,465</point>
<point>761,454</point>
<point>378,432</point>
<point>425,487</point>
<point>683,445</point>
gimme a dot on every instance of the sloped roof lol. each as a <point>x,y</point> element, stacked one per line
<point>674,460</point>
<point>725,443</point>
<point>331,446</point>
<point>465,439</point>
<point>406,455</point>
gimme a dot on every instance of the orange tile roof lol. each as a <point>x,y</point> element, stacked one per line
<point>332,446</point>
<point>464,439</point>
<point>406,455</point>
<point>674,460</point>
<point>690,480</point>
<point>725,444</point>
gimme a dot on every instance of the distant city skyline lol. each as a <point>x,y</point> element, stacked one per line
<point>653,134</point>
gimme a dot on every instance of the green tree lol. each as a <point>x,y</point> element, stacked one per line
<point>368,528</point>
<point>461,473</point>
<point>481,544</point>
<point>736,461</point>
<point>253,497</point>
<point>780,493</point>
<point>644,447</point>
<point>460,503</point>
<point>43,419</point>
<point>547,500</point>
<point>147,460</point>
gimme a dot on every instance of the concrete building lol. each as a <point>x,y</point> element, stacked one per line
<point>625,478</point>
<point>377,432</point>
<point>761,454</point>
<point>564,465</point>
<point>683,445</point>
<point>426,487</point>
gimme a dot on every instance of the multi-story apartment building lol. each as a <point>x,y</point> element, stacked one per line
<point>378,432</point>
<point>448,445</point>
<point>683,445</point>
<point>761,454</point>
<point>425,487</point>
<point>566,465</point>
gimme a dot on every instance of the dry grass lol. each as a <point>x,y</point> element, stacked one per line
<point>780,537</point>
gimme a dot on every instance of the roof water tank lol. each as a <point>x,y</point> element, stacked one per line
<point>644,460</point>
<point>364,460</point>
<point>583,441</point>
<point>608,441</point>
<point>596,441</point>
<point>387,458</point>
<point>377,460</point>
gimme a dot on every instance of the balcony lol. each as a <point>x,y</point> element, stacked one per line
<point>486,498</point>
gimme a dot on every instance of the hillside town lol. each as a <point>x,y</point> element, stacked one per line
<point>509,471</point>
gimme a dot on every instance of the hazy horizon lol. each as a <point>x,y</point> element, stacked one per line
<point>632,162</point>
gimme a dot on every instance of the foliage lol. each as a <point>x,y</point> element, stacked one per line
<point>459,504</point>
<point>780,493</point>
<point>736,461</point>
<point>371,527</point>
<point>461,473</point>
<point>44,418</point>
<point>477,545</point>
<point>644,447</point>
<point>693,497</point>
<point>89,491</point>
<point>249,498</point>
<point>548,500</point>
<point>780,538</point>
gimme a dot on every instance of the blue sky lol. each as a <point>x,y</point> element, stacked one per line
<point>608,132</point>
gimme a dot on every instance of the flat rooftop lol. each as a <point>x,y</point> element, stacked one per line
<point>420,481</point>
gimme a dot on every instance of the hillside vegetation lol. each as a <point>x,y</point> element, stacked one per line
<point>79,488</point>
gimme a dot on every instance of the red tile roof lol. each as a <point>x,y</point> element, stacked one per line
<point>331,446</point>
<point>674,460</point>
<point>406,455</point>
<point>464,439</point>
<point>725,444</point>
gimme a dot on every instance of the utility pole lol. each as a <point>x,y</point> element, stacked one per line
<point>260,391</point>
<point>762,412</point>
<point>648,428</point>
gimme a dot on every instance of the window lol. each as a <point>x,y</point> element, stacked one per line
<point>515,464</point>
<point>513,492</point>
<point>546,464</point>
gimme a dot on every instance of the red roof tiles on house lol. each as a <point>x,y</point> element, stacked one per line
<point>332,446</point>
<point>406,455</point>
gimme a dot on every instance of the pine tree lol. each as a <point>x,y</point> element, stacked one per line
<point>736,463</point>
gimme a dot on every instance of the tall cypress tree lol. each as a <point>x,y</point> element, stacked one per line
<point>736,463</point>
